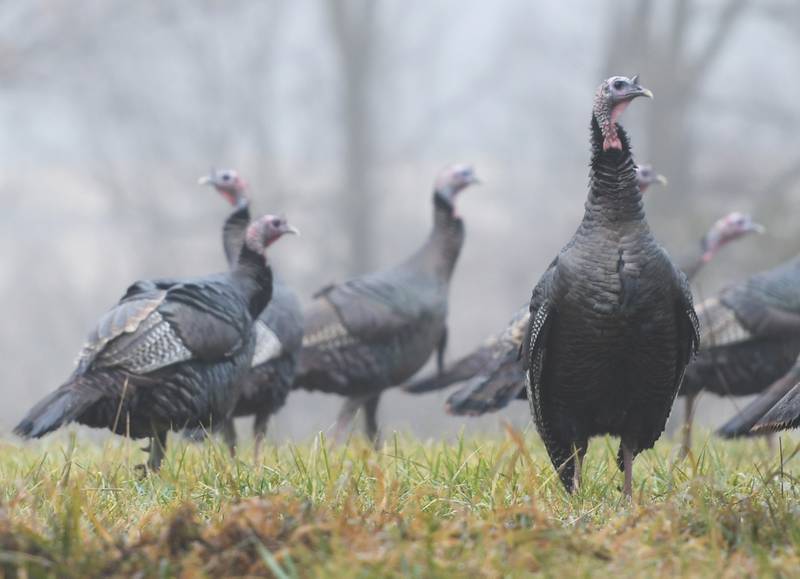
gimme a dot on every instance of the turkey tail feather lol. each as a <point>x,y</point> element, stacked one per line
<point>742,423</point>
<point>464,369</point>
<point>61,407</point>
<point>430,384</point>
<point>491,392</point>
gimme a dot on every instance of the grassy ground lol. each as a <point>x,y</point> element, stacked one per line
<point>481,507</point>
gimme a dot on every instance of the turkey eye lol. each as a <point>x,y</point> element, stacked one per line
<point>276,223</point>
<point>226,177</point>
<point>619,85</point>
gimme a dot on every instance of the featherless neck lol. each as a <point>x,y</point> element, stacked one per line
<point>441,250</point>
<point>241,211</point>
<point>238,220</point>
<point>233,231</point>
<point>705,255</point>
<point>242,204</point>
<point>613,190</point>
<point>692,268</point>
<point>253,275</point>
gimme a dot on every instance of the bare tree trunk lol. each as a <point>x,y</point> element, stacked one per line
<point>676,77</point>
<point>353,27</point>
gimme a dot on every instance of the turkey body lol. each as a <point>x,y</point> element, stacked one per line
<point>195,394</point>
<point>750,334</point>
<point>751,340</point>
<point>370,334</point>
<point>373,332</point>
<point>612,325</point>
<point>613,360</point>
<point>741,369</point>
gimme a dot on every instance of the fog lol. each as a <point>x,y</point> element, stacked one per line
<point>339,114</point>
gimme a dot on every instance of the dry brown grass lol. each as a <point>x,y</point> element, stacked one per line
<point>476,508</point>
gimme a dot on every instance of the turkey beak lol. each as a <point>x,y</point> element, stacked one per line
<point>661,180</point>
<point>290,229</point>
<point>638,90</point>
<point>757,228</point>
<point>641,91</point>
<point>205,180</point>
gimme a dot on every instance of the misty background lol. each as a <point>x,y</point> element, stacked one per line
<point>339,113</point>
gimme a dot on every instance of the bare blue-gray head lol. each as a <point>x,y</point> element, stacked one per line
<point>228,183</point>
<point>613,96</point>
<point>733,226</point>
<point>451,181</point>
<point>265,231</point>
<point>646,176</point>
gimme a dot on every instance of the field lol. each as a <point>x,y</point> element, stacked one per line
<point>477,507</point>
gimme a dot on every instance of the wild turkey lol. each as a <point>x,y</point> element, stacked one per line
<point>169,355</point>
<point>751,339</point>
<point>504,345</point>
<point>279,329</point>
<point>612,323</point>
<point>373,332</point>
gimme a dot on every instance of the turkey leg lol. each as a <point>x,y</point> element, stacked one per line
<point>259,433</point>
<point>688,419</point>
<point>580,452</point>
<point>345,418</point>
<point>441,348</point>
<point>228,431</point>
<point>627,459</point>
<point>158,448</point>
<point>371,419</point>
